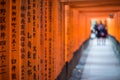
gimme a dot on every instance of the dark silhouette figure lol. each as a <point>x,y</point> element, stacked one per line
<point>101,33</point>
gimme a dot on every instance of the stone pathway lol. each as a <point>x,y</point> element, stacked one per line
<point>98,62</point>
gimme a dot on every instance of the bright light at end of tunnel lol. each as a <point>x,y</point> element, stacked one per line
<point>108,19</point>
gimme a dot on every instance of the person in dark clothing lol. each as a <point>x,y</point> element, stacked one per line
<point>101,33</point>
<point>96,26</point>
<point>97,31</point>
<point>104,35</point>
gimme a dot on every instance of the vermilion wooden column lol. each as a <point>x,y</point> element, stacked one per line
<point>41,54</point>
<point>66,31</point>
<point>69,42</point>
<point>36,40</point>
<point>82,25</point>
<point>5,62</point>
<point>42,41</point>
<point>57,38</point>
<point>30,62</point>
<point>118,25</point>
<point>23,40</point>
<point>14,39</point>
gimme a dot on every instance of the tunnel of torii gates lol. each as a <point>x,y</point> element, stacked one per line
<point>38,37</point>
